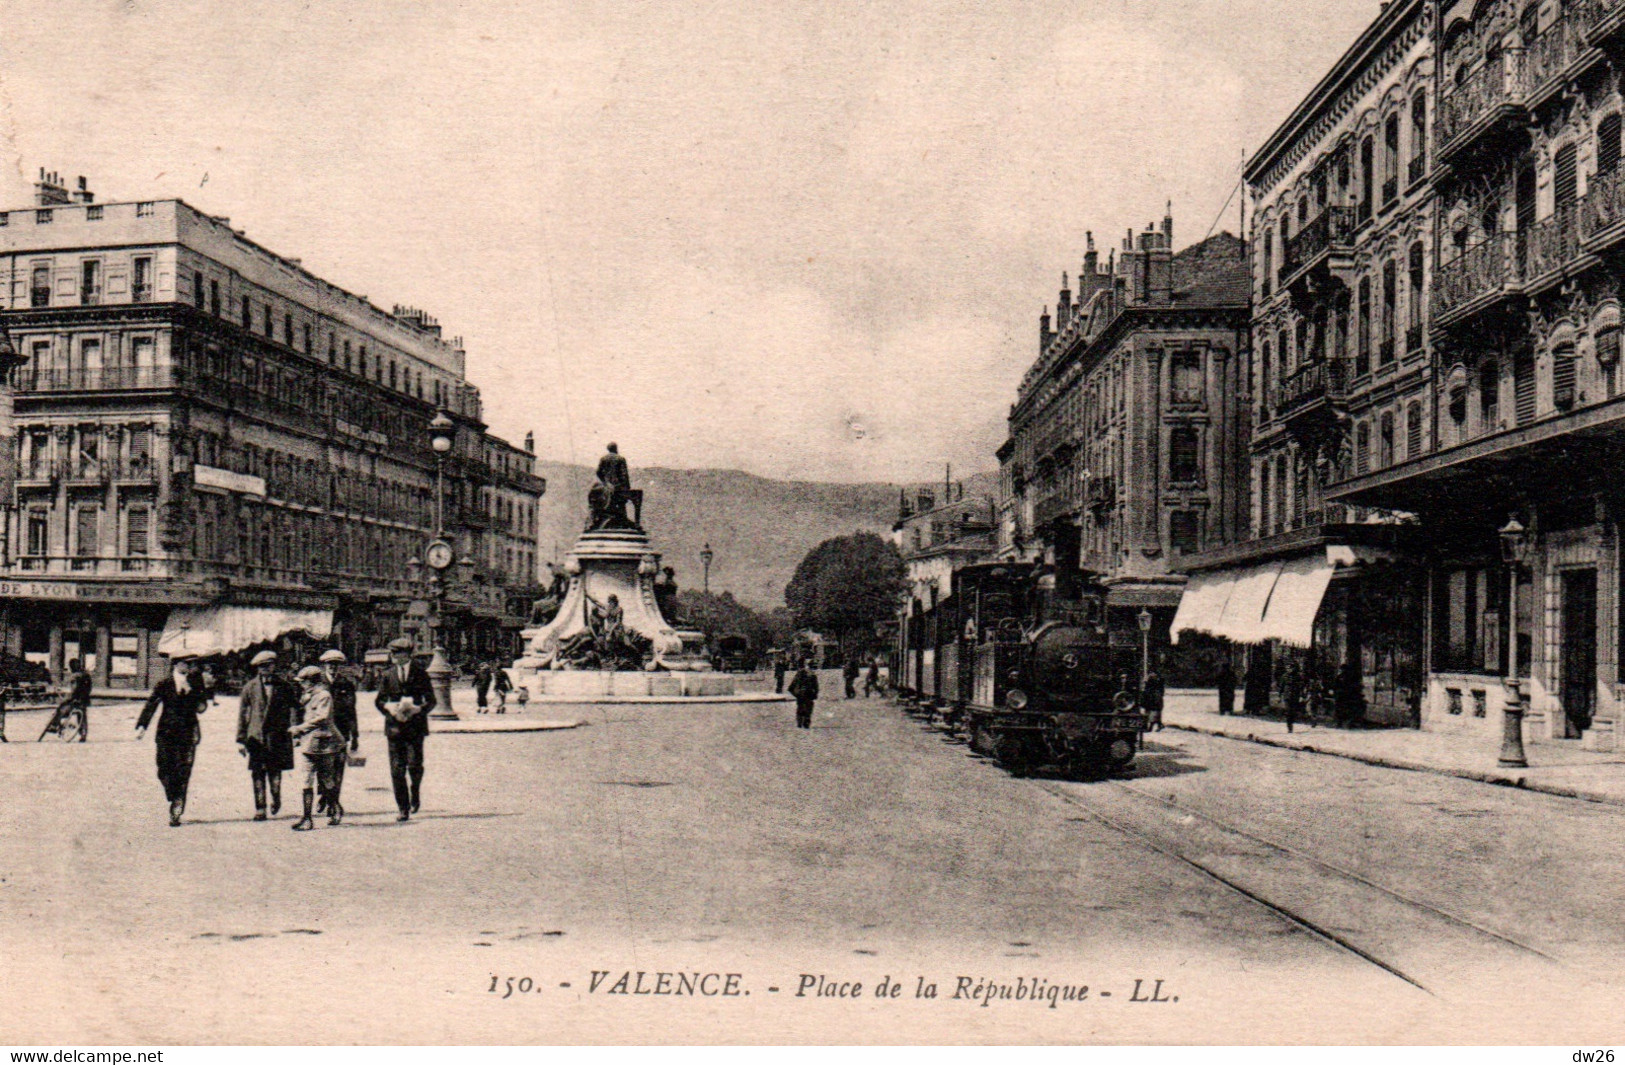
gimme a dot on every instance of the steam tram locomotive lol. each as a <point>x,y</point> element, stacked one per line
<point>1035,677</point>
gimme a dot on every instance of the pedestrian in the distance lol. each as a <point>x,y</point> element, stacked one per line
<point>1291,693</point>
<point>405,698</point>
<point>178,700</point>
<point>780,667</point>
<point>804,688</point>
<point>342,688</point>
<point>500,687</point>
<point>319,743</point>
<point>78,697</point>
<point>1226,683</point>
<point>266,710</point>
<point>482,685</point>
<point>871,680</point>
<point>849,673</point>
<point>1151,697</point>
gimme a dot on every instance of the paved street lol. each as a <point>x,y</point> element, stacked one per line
<point>719,838</point>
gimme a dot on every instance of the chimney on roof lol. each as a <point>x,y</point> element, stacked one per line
<point>1044,334</point>
<point>49,191</point>
<point>1159,265</point>
<point>924,500</point>
<point>1063,305</point>
<point>903,511</point>
<point>1168,226</point>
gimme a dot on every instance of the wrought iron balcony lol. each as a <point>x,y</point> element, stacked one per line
<point>94,379</point>
<point>1482,270</point>
<point>1549,56</point>
<point>1309,398</point>
<point>1602,19</point>
<point>1604,205</point>
<point>1322,250</point>
<point>1553,243</point>
<point>1491,94</point>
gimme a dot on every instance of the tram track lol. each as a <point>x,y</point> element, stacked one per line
<point>1426,947</point>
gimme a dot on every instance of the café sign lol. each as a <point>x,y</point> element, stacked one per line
<point>101,592</point>
<point>213,477</point>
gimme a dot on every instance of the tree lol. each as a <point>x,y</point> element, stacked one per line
<point>723,615</point>
<point>845,586</point>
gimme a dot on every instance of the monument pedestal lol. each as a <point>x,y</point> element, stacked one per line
<point>615,562</point>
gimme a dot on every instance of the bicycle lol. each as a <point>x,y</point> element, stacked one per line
<point>67,724</point>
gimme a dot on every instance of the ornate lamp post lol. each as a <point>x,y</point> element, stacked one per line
<point>1144,619</point>
<point>439,555</point>
<point>1514,549</point>
<point>706,555</point>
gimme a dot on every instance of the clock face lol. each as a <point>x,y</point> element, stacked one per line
<point>439,554</point>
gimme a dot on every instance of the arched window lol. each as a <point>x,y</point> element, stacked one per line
<point>1269,261</point>
<point>1385,440</point>
<point>1264,383</point>
<point>1419,137</point>
<point>1390,317</point>
<point>1362,347</point>
<point>1368,177</point>
<point>1413,431</point>
<point>1390,159</point>
<point>1264,502</point>
<point>1413,336</point>
<point>1281,484</point>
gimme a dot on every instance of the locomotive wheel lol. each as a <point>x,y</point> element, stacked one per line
<point>975,737</point>
<point>1013,752</point>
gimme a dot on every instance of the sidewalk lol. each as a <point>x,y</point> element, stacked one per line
<point>1554,768</point>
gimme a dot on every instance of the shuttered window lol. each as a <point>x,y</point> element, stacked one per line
<point>1608,144</point>
<point>1523,384</point>
<point>1563,378</point>
<point>139,523</point>
<point>1385,441</point>
<point>1413,431</point>
<point>87,527</point>
<point>1362,449</point>
<point>1565,176</point>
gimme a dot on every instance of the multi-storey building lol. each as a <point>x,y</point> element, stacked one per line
<point>1528,404</point>
<point>935,538</point>
<point>1342,256</point>
<point>1128,438</point>
<point>211,437</point>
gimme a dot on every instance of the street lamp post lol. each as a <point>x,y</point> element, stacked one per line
<point>1144,619</point>
<point>1514,545</point>
<point>439,555</point>
<point>706,555</point>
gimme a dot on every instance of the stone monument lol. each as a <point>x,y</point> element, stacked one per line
<point>607,636</point>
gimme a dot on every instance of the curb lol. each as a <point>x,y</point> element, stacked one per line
<point>1503,780</point>
<point>669,700</point>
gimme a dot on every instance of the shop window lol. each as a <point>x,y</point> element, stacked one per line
<point>80,646</point>
<point>124,659</point>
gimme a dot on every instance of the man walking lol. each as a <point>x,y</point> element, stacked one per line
<point>849,673</point>
<point>405,698</point>
<point>482,685</point>
<point>804,687</point>
<point>263,718</point>
<point>342,689</point>
<point>182,697</point>
<point>500,686</point>
<point>1226,684</point>
<point>871,680</point>
<point>780,667</point>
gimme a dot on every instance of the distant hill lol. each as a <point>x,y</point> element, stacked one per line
<point>759,529</point>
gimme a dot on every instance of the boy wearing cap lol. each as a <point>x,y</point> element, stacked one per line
<point>262,731</point>
<point>342,689</point>
<point>182,697</point>
<point>405,698</point>
<point>319,744</point>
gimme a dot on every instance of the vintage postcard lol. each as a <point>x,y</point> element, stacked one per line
<point>536,522</point>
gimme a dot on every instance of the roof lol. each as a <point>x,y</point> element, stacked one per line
<point>1213,273</point>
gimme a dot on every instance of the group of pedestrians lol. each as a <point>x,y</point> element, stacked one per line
<point>491,681</point>
<point>306,725</point>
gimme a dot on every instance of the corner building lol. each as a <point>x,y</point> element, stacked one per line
<point>1528,404</point>
<point>1127,446</point>
<point>1324,592</point>
<point>207,434</point>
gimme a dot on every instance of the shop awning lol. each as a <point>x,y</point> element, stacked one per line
<point>1274,600</point>
<point>1295,600</point>
<point>215,630</point>
<point>1202,606</point>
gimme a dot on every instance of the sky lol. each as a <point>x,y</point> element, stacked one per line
<point>808,240</point>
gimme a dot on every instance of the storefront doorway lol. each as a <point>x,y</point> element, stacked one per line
<point>1579,649</point>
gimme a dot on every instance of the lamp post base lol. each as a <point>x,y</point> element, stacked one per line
<point>1512,754</point>
<point>440,679</point>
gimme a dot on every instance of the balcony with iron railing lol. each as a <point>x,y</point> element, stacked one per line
<point>1603,19</point>
<point>91,566</point>
<point>32,378</point>
<point>1324,381</point>
<point>1479,273</point>
<point>1489,96</point>
<point>1324,247</point>
<point>1552,244</point>
<point>1548,59</point>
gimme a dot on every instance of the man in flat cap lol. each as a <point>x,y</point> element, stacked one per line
<point>342,689</point>
<point>266,712</point>
<point>405,698</point>
<point>182,697</point>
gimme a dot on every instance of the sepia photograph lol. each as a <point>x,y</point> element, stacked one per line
<point>789,523</point>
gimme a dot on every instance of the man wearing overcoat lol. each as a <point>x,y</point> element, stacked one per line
<point>344,719</point>
<point>405,698</point>
<point>804,687</point>
<point>182,697</point>
<point>268,706</point>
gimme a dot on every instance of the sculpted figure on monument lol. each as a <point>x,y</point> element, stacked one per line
<point>608,498</point>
